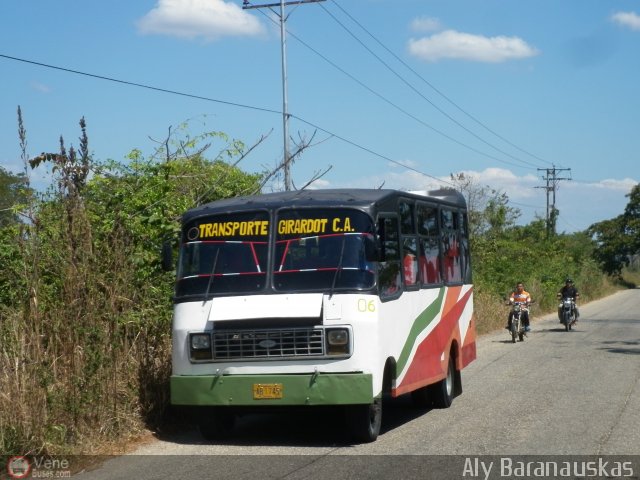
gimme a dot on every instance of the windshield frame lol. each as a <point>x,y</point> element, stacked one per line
<point>266,254</point>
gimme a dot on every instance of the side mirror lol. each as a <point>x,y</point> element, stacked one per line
<point>167,256</point>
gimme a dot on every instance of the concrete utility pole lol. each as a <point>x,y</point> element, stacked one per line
<point>552,185</point>
<point>283,50</point>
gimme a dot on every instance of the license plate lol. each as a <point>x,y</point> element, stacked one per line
<point>267,391</point>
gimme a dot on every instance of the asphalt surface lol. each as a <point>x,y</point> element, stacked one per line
<point>558,395</point>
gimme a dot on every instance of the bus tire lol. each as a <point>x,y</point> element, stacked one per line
<point>364,421</point>
<point>216,424</point>
<point>442,393</point>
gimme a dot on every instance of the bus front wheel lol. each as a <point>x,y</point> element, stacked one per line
<point>364,421</point>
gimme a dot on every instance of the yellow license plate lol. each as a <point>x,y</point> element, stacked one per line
<point>267,391</point>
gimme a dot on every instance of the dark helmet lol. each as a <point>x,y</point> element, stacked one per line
<point>568,280</point>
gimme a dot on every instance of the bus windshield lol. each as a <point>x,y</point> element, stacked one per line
<point>322,250</point>
<point>319,250</point>
<point>224,254</point>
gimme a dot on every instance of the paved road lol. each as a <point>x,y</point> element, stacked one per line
<point>556,393</point>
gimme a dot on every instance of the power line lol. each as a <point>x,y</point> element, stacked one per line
<point>525,205</point>
<point>571,225</point>
<point>224,102</point>
<point>140,85</point>
<point>415,90</point>
<point>402,110</point>
<point>372,152</point>
<point>436,89</point>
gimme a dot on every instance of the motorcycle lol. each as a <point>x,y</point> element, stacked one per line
<point>567,312</point>
<point>516,329</point>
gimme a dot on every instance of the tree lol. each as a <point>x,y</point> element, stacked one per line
<point>488,209</point>
<point>12,193</point>
<point>498,214</point>
<point>618,239</point>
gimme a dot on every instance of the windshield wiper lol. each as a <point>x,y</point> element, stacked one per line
<point>339,268</point>
<point>213,269</point>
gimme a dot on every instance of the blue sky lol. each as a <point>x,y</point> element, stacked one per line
<point>400,93</point>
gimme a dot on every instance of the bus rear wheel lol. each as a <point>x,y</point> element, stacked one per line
<point>442,393</point>
<point>364,421</point>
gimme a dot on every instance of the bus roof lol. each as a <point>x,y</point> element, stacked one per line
<point>364,199</point>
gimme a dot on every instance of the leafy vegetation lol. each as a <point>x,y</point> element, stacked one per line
<point>618,239</point>
<point>85,312</point>
<point>85,306</point>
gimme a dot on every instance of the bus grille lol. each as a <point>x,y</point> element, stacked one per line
<point>260,344</point>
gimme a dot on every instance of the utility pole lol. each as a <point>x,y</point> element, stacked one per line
<point>552,185</point>
<point>283,51</point>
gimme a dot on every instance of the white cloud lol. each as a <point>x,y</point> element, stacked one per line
<point>319,184</point>
<point>208,19</point>
<point>465,46</point>
<point>517,187</point>
<point>624,185</point>
<point>425,24</point>
<point>627,19</point>
<point>40,87</point>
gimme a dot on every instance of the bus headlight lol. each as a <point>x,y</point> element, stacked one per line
<point>200,346</point>
<point>337,341</point>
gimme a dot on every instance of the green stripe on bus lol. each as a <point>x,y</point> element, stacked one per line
<point>238,390</point>
<point>421,322</point>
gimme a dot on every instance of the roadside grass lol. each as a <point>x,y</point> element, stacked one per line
<point>492,312</point>
<point>631,277</point>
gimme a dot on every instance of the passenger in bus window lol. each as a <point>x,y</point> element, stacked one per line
<point>452,258</point>
<point>410,264</point>
<point>429,269</point>
<point>410,261</point>
<point>429,261</point>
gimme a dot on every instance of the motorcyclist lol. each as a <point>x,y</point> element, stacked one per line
<point>568,291</point>
<point>522,296</point>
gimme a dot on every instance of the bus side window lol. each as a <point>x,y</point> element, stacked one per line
<point>430,261</point>
<point>389,272</point>
<point>429,244</point>
<point>427,219</point>
<point>410,260</point>
<point>465,253</point>
<point>406,218</point>
<point>451,247</point>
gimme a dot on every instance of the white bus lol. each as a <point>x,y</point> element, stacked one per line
<point>322,297</point>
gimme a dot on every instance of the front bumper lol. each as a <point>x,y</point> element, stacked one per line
<point>297,389</point>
